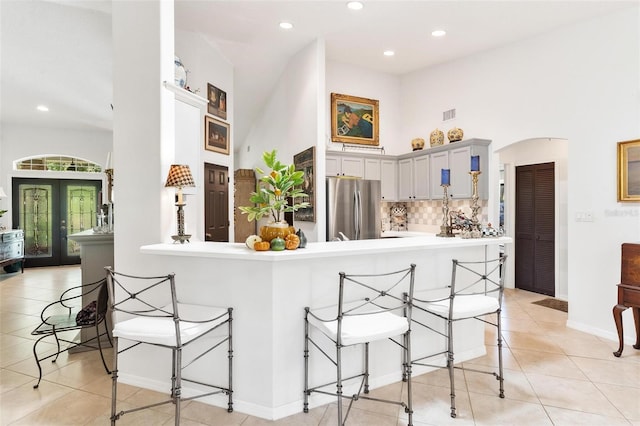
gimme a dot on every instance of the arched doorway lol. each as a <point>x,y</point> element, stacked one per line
<point>530,152</point>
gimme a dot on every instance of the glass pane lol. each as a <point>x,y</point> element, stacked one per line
<point>35,218</point>
<point>81,213</point>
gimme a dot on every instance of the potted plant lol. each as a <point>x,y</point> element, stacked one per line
<point>272,195</point>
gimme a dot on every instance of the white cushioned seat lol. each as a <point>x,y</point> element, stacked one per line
<point>363,328</point>
<point>161,330</point>
<point>464,306</point>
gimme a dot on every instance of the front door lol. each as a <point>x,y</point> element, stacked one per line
<point>48,210</point>
<point>216,202</point>
<point>535,228</point>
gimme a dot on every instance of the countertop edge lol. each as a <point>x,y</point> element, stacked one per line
<point>239,251</point>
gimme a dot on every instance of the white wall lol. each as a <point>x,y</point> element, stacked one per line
<point>355,81</point>
<point>17,141</point>
<point>205,64</point>
<point>290,121</point>
<point>578,83</point>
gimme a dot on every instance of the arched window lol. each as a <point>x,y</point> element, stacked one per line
<point>57,163</point>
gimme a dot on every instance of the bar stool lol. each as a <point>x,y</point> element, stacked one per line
<point>167,324</point>
<point>370,308</point>
<point>475,292</point>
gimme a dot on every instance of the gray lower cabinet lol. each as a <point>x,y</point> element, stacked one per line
<point>12,249</point>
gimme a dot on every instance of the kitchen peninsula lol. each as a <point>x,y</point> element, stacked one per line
<point>268,291</point>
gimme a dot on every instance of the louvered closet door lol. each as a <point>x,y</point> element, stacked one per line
<point>535,228</point>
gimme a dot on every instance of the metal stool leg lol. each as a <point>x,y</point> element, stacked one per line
<point>306,363</point>
<point>114,382</point>
<point>450,366</point>
<point>230,402</point>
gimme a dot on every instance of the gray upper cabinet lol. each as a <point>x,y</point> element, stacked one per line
<point>416,175</point>
<point>413,178</point>
<point>338,165</point>
<point>460,165</point>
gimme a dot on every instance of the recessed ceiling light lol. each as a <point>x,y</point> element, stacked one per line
<point>438,33</point>
<point>355,5</point>
<point>286,25</point>
<point>389,53</point>
<point>42,108</point>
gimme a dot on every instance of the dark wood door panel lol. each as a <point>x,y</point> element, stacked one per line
<point>535,228</point>
<point>216,222</point>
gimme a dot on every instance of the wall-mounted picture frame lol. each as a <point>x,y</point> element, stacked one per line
<point>216,135</point>
<point>354,120</point>
<point>305,161</point>
<point>217,101</point>
<point>629,171</point>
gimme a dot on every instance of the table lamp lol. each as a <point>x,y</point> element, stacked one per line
<point>180,177</point>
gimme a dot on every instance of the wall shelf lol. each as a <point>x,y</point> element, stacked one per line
<point>186,96</point>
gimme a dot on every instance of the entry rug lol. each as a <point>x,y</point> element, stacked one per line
<point>552,303</point>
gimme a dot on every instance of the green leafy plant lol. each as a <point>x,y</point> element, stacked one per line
<point>2,212</point>
<point>274,190</point>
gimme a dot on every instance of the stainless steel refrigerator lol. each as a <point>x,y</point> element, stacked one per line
<point>353,209</point>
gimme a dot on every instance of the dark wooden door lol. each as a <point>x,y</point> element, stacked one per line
<point>535,228</point>
<point>216,203</point>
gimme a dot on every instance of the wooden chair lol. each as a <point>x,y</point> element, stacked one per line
<point>61,317</point>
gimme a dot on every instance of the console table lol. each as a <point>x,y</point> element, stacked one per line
<point>12,248</point>
<point>628,292</point>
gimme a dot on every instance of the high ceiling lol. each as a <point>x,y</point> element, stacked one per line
<point>58,52</point>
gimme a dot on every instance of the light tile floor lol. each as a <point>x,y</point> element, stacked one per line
<point>554,376</point>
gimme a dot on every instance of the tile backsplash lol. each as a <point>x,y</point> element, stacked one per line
<point>429,212</point>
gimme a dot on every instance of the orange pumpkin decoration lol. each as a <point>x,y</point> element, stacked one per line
<point>291,242</point>
<point>261,246</point>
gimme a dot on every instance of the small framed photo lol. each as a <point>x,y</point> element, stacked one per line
<point>354,120</point>
<point>629,171</point>
<point>217,101</point>
<point>216,135</point>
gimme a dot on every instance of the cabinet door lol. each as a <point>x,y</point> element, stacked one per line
<point>332,165</point>
<point>405,180</point>
<point>372,169</point>
<point>352,166</point>
<point>421,177</point>
<point>388,177</point>
<point>437,162</point>
<point>460,162</point>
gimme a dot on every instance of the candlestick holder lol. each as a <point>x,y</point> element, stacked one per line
<point>445,228</point>
<point>475,207</point>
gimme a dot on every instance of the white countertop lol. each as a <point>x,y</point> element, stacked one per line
<point>319,250</point>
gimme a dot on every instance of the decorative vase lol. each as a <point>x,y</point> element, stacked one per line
<point>180,77</point>
<point>436,138</point>
<point>455,134</point>
<point>417,144</point>
<point>276,229</point>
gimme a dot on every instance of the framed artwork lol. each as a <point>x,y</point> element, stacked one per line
<point>216,135</point>
<point>629,171</point>
<point>354,120</point>
<point>217,101</point>
<point>305,161</point>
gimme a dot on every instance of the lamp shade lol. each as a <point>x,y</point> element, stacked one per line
<point>2,193</point>
<point>179,176</point>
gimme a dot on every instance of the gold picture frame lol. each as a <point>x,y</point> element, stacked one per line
<point>629,171</point>
<point>216,135</point>
<point>354,120</point>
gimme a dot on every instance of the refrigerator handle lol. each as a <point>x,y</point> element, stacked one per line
<point>358,211</point>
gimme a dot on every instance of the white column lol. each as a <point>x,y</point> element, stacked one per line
<point>143,127</point>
